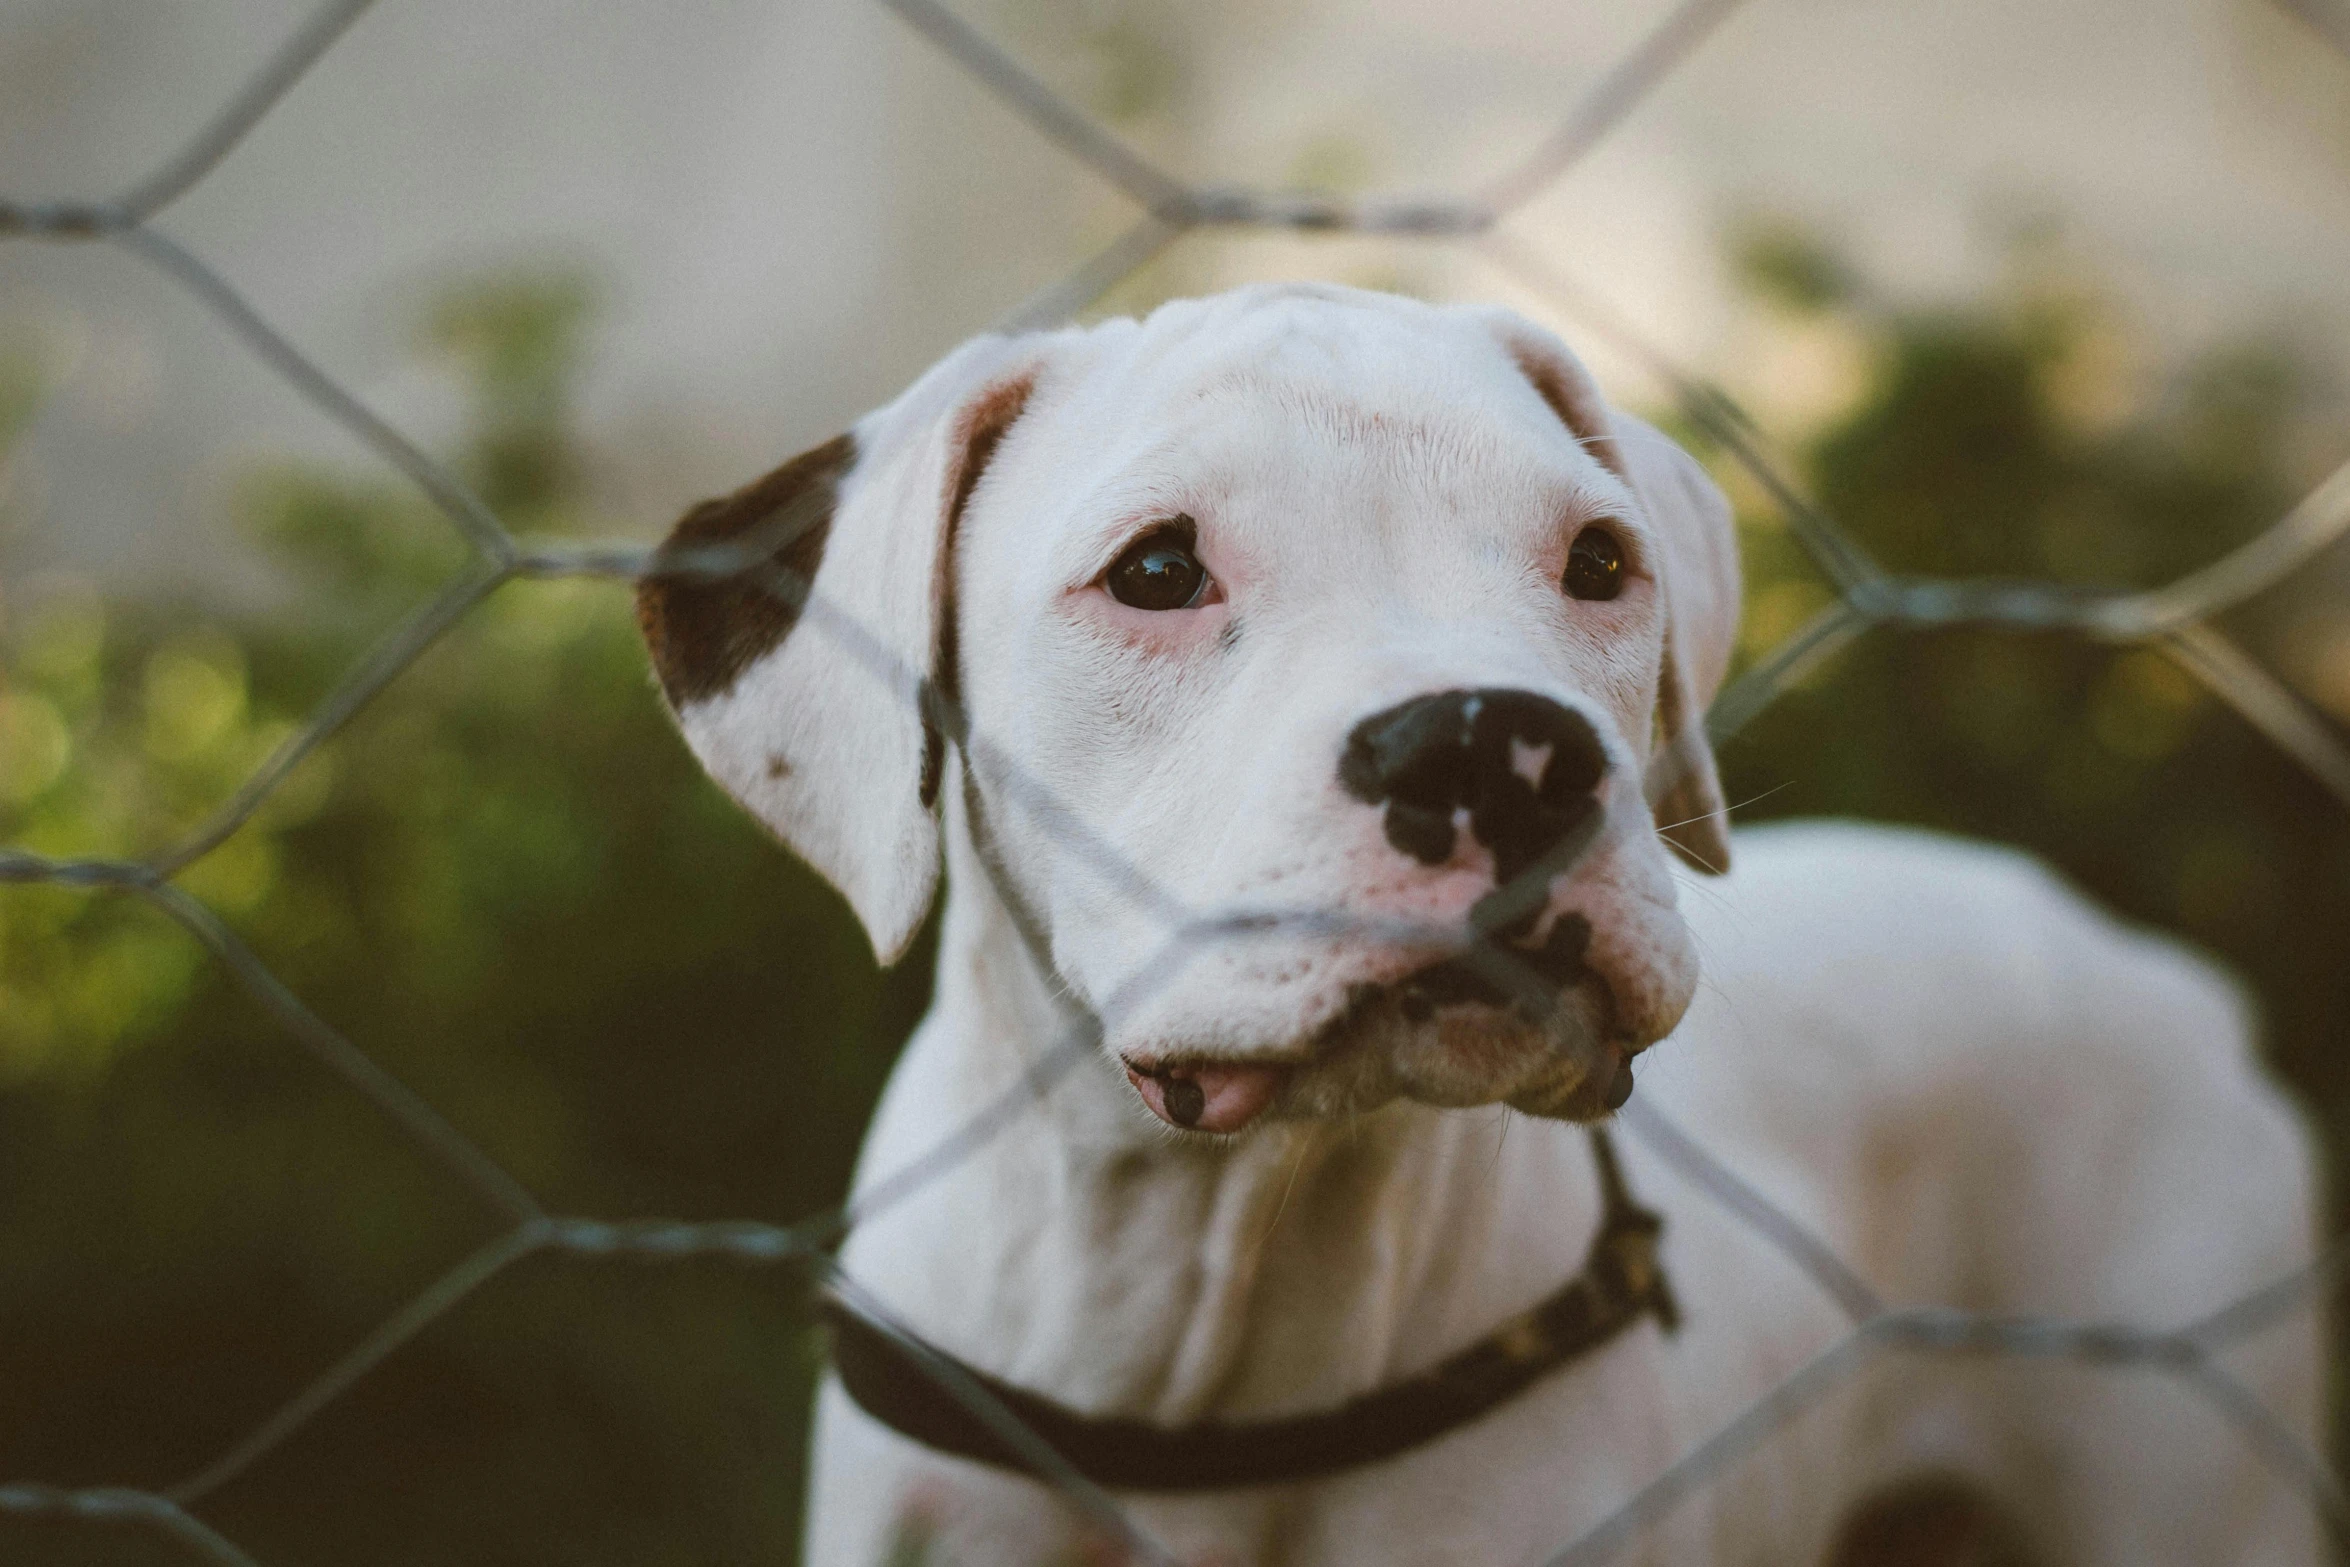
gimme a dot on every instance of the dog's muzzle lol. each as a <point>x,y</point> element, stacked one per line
<point>1513,1016</point>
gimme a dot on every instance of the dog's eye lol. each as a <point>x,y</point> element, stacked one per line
<point>1595,565</point>
<point>1159,571</point>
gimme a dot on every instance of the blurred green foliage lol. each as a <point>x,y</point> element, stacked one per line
<point>508,883</point>
<point>1993,441</point>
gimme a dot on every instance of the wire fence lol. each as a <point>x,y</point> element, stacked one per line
<point>2178,620</point>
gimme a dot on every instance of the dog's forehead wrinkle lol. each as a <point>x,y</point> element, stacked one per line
<point>1359,364</point>
<point>1336,407</point>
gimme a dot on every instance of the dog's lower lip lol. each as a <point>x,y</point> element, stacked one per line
<point>1619,1092</point>
<point>1208,1096</point>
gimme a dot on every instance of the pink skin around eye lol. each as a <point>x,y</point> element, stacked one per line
<point>1160,631</point>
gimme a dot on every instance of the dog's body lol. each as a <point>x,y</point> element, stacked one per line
<point>1313,627</point>
<point>2039,1112</point>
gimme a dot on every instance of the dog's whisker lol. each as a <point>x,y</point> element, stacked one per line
<point>1699,858</point>
<point>1501,1136</point>
<point>1725,810</point>
<point>1305,1143</point>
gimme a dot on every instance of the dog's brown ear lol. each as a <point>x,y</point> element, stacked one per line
<point>1699,574</point>
<point>800,629</point>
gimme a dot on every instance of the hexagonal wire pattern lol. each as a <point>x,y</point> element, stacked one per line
<point>2176,620</point>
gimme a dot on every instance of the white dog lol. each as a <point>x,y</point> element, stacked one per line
<point>1302,687</point>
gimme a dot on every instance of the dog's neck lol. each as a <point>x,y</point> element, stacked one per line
<point>1087,1253</point>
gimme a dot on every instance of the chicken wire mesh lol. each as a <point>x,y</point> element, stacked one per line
<point>2178,620</point>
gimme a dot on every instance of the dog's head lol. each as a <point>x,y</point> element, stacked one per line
<point>1355,638</point>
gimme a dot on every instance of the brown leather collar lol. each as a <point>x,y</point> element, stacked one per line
<point>1621,1282</point>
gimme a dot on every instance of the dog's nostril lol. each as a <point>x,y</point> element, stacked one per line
<point>1423,832</point>
<point>1418,754</point>
<point>1523,767</point>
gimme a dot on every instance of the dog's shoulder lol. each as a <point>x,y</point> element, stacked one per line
<point>1846,858</point>
<point>1889,1012</point>
<point>1853,891</point>
<point>1942,947</point>
<point>1867,889</point>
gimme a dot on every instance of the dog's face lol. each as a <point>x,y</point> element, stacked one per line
<point>1329,662</point>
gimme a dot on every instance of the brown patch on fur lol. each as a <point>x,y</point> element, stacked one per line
<point>1576,401</point>
<point>704,631</point>
<point>985,422</point>
<point>1930,1521</point>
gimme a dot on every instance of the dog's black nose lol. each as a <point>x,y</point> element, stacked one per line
<point>1523,766</point>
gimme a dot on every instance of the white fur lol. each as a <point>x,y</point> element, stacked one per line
<point>1976,1088</point>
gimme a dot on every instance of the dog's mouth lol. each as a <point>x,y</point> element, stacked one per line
<point>1529,1027</point>
<point>1210,1096</point>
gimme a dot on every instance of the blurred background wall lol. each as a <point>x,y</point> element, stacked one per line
<point>2036,290</point>
<point>787,210</point>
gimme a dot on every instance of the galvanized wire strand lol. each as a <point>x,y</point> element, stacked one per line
<point>219,137</point>
<point>436,1301</point>
<point>1703,404</point>
<point>2329,19</point>
<point>114,1504</point>
<point>749,561</point>
<point>1816,640</point>
<point>1941,1330</point>
<point>422,1123</point>
<point>24,866</point>
<point>2263,1308</point>
<point>2317,523</point>
<point>1740,1198</point>
<point>1174,209</point>
<point>70,219</point>
<point>2265,701</point>
<point>1084,1033</point>
<point>1046,1460</point>
<point>472,517</point>
<point>1140,244</point>
<point>1075,131</point>
<point>2173,618</point>
<point>2288,1457</point>
<point>1321,211</point>
<point>1866,592</point>
<point>1763,1418</point>
<point>1078,1041</point>
<point>401,647</point>
<point>1615,96</point>
<point>660,1240</point>
<point>456,1152</point>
